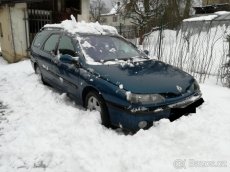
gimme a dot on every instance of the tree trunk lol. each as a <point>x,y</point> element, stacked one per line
<point>146,6</point>
<point>172,14</point>
<point>187,9</point>
<point>141,36</point>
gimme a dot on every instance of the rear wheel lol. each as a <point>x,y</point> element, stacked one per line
<point>94,101</point>
<point>39,74</point>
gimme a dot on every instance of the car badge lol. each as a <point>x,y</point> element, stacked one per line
<point>179,88</point>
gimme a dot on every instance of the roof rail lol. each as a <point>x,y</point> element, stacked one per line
<point>51,28</point>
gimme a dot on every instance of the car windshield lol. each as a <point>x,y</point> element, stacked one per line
<point>102,48</point>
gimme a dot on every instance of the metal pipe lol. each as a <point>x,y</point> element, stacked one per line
<point>11,27</point>
<point>160,39</point>
<point>26,19</point>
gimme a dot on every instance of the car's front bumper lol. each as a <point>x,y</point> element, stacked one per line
<point>134,118</point>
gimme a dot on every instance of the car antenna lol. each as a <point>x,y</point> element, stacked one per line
<point>98,30</point>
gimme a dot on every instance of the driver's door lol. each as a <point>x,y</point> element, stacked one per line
<point>68,73</point>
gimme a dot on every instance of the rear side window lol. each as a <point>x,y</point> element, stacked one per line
<point>40,37</point>
<point>51,43</point>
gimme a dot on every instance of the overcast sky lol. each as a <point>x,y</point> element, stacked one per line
<point>108,3</point>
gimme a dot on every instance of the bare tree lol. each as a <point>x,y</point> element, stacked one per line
<point>144,14</point>
<point>176,11</point>
<point>97,8</point>
<point>148,14</point>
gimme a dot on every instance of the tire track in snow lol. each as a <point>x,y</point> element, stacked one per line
<point>3,113</point>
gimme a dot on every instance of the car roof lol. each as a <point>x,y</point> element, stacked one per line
<point>74,27</point>
<point>62,30</point>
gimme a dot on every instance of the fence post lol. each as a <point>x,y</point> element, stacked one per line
<point>160,39</point>
<point>120,29</point>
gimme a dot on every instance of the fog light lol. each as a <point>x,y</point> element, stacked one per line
<point>142,124</point>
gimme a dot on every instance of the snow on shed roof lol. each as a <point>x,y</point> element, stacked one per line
<point>201,18</point>
<point>220,15</point>
<point>72,26</point>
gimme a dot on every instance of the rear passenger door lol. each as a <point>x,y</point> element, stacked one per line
<point>48,59</point>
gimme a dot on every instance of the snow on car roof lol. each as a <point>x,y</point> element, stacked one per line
<point>72,26</point>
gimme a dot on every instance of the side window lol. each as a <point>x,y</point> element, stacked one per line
<point>51,43</point>
<point>66,46</point>
<point>40,38</point>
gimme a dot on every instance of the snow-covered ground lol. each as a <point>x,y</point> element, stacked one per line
<point>41,130</point>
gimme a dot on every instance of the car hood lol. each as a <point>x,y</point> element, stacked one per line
<point>149,76</point>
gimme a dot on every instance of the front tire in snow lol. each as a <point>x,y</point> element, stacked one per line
<point>94,101</point>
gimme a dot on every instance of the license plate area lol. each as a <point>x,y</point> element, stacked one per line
<point>178,112</point>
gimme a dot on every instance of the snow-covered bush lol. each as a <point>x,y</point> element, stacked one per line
<point>225,77</point>
<point>225,69</point>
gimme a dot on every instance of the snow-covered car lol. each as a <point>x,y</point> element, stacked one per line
<point>102,71</point>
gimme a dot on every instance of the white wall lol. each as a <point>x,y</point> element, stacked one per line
<point>0,46</point>
<point>19,31</point>
<point>0,38</point>
<point>120,20</point>
<point>85,11</point>
<point>13,42</point>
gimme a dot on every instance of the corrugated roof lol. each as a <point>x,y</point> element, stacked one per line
<point>217,16</point>
<point>212,8</point>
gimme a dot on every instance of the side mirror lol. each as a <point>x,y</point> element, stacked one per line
<point>68,59</point>
<point>146,52</point>
<point>65,58</point>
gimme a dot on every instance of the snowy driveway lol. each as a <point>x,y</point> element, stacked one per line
<point>44,131</point>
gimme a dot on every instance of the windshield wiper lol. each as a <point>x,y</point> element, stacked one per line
<point>135,57</point>
<point>103,61</point>
<point>125,59</point>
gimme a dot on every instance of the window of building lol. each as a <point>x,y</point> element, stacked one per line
<point>115,19</point>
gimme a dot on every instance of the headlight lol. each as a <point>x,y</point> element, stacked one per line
<point>144,98</point>
<point>196,85</point>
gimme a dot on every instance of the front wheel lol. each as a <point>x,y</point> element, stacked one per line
<point>94,101</point>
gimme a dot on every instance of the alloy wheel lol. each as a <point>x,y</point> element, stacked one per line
<point>93,104</point>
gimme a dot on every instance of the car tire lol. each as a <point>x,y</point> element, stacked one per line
<point>94,101</point>
<point>39,73</point>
